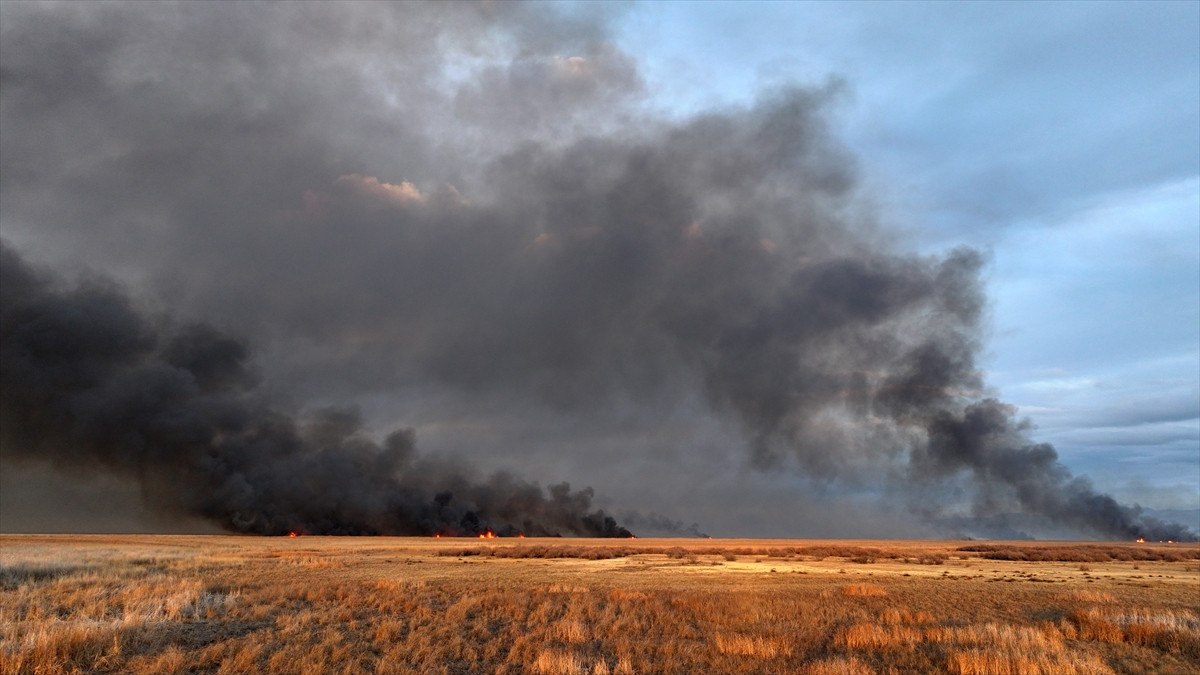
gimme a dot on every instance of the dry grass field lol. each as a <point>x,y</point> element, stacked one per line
<point>214,604</point>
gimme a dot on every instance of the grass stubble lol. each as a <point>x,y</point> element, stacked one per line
<point>214,604</point>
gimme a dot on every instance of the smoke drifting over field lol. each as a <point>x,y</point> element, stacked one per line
<point>92,384</point>
<point>468,200</point>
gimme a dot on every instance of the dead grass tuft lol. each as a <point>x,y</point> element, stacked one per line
<point>1006,661</point>
<point>864,590</point>
<point>63,646</point>
<point>558,662</point>
<point>1003,636</point>
<point>170,661</point>
<point>838,665</point>
<point>752,645</point>
<point>900,616</point>
<point>874,636</point>
<point>1164,630</point>
<point>1095,626</point>
<point>570,631</point>
<point>1085,595</point>
<point>1002,649</point>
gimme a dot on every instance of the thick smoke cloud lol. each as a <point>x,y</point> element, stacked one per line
<point>470,203</point>
<point>89,383</point>
<point>661,525</point>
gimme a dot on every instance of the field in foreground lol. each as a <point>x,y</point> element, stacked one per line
<point>213,604</point>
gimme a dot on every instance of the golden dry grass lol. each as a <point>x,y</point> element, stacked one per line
<point>864,590</point>
<point>144,604</point>
<point>838,665</point>
<point>752,645</point>
<point>1007,661</point>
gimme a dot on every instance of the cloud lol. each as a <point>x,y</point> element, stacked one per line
<point>398,194</point>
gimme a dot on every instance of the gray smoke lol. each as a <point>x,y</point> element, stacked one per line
<point>660,525</point>
<point>469,200</point>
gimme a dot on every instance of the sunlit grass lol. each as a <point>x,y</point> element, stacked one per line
<point>340,605</point>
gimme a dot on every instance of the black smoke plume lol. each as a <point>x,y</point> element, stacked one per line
<point>89,383</point>
<point>468,203</point>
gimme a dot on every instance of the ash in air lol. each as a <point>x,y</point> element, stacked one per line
<point>383,225</point>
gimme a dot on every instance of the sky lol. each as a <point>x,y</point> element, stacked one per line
<point>1062,139</point>
<point>760,269</point>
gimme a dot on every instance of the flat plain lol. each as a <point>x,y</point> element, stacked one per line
<point>234,604</point>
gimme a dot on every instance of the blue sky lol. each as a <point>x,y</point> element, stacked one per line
<point>1062,139</point>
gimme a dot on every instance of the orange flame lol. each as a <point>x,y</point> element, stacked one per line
<point>1141,540</point>
<point>293,533</point>
<point>487,534</point>
<point>437,535</point>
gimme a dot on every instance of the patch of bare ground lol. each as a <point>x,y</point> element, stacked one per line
<point>391,605</point>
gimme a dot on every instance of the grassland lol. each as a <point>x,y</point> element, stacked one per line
<point>191,604</point>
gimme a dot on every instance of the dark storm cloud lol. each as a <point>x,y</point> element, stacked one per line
<point>409,197</point>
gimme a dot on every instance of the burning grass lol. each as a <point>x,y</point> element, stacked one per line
<point>288,605</point>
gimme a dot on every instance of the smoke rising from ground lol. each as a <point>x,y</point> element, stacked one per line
<point>467,200</point>
<point>91,384</point>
